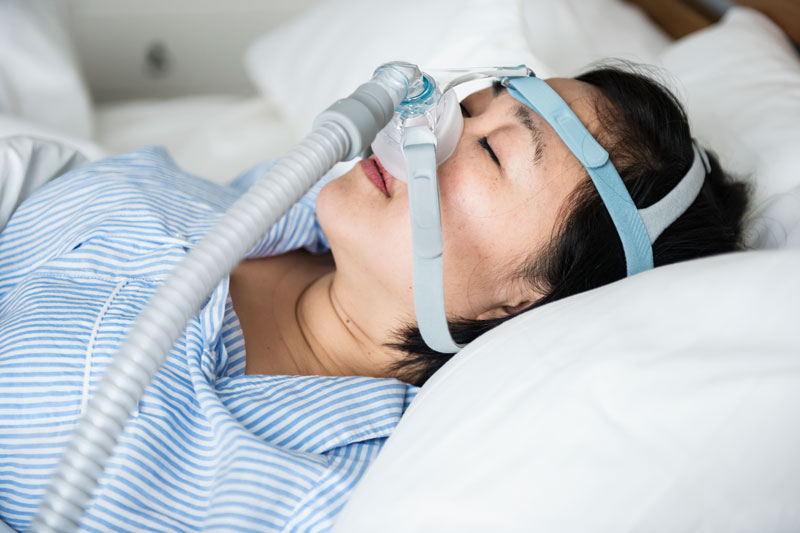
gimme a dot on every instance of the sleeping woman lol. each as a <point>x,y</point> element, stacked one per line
<point>285,385</point>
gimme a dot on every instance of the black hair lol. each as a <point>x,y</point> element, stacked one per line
<point>645,130</point>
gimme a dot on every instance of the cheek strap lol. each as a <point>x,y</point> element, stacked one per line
<point>419,151</point>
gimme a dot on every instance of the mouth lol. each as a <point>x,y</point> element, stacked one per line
<point>377,175</point>
<point>388,179</point>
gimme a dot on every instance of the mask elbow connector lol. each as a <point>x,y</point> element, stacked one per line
<point>365,112</point>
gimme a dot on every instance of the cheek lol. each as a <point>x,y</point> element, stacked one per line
<point>474,231</point>
<point>490,222</point>
<point>475,201</point>
<point>370,237</point>
<point>477,189</point>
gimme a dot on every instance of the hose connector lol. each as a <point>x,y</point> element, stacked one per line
<point>365,112</point>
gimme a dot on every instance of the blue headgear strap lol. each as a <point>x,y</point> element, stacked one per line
<point>536,94</point>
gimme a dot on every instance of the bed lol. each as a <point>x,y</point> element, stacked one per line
<point>678,410</point>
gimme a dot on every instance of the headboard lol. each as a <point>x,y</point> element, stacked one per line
<point>681,17</point>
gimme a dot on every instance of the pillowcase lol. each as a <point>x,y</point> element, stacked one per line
<point>570,34</point>
<point>655,404</point>
<point>27,163</point>
<point>740,81</point>
<point>306,65</point>
<point>40,79</point>
<point>776,223</point>
<point>214,136</point>
<point>11,126</point>
<point>658,403</point>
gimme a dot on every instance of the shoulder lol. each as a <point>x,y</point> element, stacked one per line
<point>148,172</point>
<point>125,205</point>
<point>140,189</point>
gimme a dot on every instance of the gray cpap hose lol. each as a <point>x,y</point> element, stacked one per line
<point>341,132</point>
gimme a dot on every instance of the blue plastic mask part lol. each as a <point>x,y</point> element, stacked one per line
<point>441,113</point>
<point>637,229</point>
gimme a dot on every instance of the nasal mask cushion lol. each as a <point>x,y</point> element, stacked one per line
<point>425,131</point>
<point>440,113</point>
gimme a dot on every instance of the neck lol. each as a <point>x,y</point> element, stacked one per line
<point>295,322</point>
<point>334,337</point>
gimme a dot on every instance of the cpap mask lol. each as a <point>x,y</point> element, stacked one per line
<point>434,104</point>
<point>427,107</point>
<point>424,132</point>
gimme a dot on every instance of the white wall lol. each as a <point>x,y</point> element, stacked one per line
<point>202,43</point>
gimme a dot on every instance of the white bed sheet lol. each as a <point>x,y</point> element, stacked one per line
<point>215,136</point>
<point>40,79</point>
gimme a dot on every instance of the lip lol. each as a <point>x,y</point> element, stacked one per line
<point>388,179</point>
<point>373,173</point>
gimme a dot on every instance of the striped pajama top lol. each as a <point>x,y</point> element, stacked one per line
<point>209,448</point>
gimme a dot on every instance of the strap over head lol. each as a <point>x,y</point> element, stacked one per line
<point>637,228</point>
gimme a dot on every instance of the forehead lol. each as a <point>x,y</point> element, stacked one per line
<point>580,96</point>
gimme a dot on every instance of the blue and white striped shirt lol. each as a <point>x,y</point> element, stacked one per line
<point>209,448</point>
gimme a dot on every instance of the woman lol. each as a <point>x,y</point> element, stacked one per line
<point>522,226</point>
<point>252,422</point>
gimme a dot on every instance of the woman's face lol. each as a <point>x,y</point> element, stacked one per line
<point>500,195</point>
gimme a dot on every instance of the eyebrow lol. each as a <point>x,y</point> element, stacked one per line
<point>497,88</point>
<point>523,114</point>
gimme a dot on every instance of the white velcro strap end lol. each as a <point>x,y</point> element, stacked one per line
<point>661,214</point>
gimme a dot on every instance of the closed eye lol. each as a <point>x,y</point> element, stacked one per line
<point>484,142</point>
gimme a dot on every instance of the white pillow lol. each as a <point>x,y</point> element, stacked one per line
<point>215,137</point>
<point>570,34</point>
<point>740,80</point>
<point>776,223</point>
<point>11,126</point>
<point>28,163</point>
<point>304,66</point>
<point>40,80</point>
<point>667,402</point>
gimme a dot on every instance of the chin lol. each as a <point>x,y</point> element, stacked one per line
<point>331,206</point>
<point>368,238</point>
<point>344,227</point>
